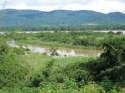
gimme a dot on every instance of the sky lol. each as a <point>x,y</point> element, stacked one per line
<point>104,6</point>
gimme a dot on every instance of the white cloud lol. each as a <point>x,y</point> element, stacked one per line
<point>48,5</point>
<point>106,6</point>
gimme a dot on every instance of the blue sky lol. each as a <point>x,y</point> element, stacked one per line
<point>104,6</point>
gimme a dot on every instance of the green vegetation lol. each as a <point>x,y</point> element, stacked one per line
<point>27,72</point>
<point>60,20</point>
<point>56,39</point>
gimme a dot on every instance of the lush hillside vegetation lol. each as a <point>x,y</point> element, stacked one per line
<point>22,71</point>
<point>56,39</point>
<point>38,19</point>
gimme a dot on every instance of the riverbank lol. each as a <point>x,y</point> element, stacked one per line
<point>63,52</point>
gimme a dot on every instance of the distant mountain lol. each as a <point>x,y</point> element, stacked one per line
<point>11,17</point>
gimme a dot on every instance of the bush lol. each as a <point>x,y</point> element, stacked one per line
<point>69,86</point>
<point>92,88</point>
<point>79,73</point>
<point>12,72</point>
<point>18,90</point>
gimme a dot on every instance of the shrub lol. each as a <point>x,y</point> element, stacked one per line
<point>92,88</point>
<point>69,86</point>
<point>18,90</point>
<point>12,72</point>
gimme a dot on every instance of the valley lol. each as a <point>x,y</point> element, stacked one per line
<point>62,62</point>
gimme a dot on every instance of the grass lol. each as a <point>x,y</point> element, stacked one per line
<point>53,44</point>
<point>37,62</point>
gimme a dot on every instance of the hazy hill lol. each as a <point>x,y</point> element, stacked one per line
<point>58,17</point>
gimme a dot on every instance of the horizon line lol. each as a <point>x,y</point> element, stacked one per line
<point>61,10</point>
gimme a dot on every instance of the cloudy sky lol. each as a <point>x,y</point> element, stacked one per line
<point>104,6</point>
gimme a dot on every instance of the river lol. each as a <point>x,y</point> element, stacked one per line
<point>55,52</point>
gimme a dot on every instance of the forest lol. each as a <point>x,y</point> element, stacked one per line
<point>24,71</point>
<point>64,27</point>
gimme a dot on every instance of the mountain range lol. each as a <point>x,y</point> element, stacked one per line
<point>11,17</point>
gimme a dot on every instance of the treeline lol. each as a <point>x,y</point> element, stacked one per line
<point>63,28</point>
<point>62,39</point>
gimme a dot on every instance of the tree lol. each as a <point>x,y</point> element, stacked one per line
<point>12,72</point>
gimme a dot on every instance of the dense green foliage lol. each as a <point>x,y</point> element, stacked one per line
<point>22,72</point>
<point>60,20</point>
<point>64,28</point>
<point>64,39</point>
